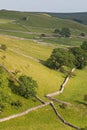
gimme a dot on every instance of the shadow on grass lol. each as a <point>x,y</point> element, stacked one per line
<point>13,87</point>
<point>80,102</point>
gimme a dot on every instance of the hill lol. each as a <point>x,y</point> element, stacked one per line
<point>32,25</point>
<point>80,17</point>
<point>26,50</point>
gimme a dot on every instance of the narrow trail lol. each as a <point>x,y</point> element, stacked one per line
<point>40,106</point>
<point>16,31</point>
<point>27,56</point>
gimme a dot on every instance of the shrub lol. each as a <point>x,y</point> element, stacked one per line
<point>82,34</point>
<point>84,45</point>
<point>63,106</point>
<point>17,103</point>
<point>3,47</point>
<point>43,35</point>
<point>26,88</point>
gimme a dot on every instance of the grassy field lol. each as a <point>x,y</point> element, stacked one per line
<point>24,51</point>
<point>49,81</point>
<point>5,21</point>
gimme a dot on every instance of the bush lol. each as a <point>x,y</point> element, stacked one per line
<point>84,45</point>
<point>65,32</point>
<point>82,34</point>
<point>16,103</point>
<point>26,88</point>
<point>80,57</point>
<point>3,47</point>
<point>63,106</point>
<point>43,35</point>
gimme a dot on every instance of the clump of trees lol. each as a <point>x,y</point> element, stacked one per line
<point>59,58</point>
<point>63,32</point>
<point>25,88</point>
<point>17,103</point>
<point>28,86</point>
<point>82,34</point>
<point>72,57</point>
<point>84,46</point>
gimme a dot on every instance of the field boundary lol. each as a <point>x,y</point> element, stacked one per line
<point>43,103</point>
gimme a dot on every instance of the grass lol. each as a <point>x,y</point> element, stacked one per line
<point>5,21</point>
<point>11,26</point>
<point>36,121</point>
<point>48,80</point>
<point>76,88</point>
<point>29,66</point>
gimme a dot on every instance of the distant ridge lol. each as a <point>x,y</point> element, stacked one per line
<point>80,17</point>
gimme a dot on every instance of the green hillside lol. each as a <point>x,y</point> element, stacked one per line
<point>80,17</point>
<point>26,51</point>
<point>31,25</point>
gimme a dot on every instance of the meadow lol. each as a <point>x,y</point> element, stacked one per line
<point>25,53</point>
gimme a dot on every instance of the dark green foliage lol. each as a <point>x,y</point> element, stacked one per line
<point>28,86</point>
<point>84,45</point>
<point>65,32</point>
<point>60,57</point>
<point>3,78</point>
<point>80,57</point>
<point>82,34</point>
<point>25,18</point>
<point>57,31</point>
<point>63,106</point>
<point>73,57</point>
<point>43,35</point>
<point>3,47</point>
<point>17,103</point>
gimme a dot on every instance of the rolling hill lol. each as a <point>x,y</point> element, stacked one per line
<point>26,49</point>
<point>80,17</point>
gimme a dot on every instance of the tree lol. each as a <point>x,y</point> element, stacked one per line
<point>84,45</point>
<point>80,57</point>
<point>57,31</point>
<point>43,35</point>
<point>60,57</point>
<point>65,32</point>
<point>3,47</point>
<point>28,86</point>
<point>82,34</point>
